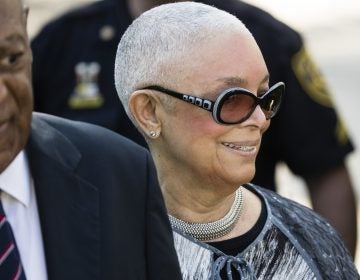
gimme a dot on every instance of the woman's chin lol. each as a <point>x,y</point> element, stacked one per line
<point>244,176</point>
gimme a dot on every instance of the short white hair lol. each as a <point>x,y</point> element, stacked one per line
<point>162,37</point>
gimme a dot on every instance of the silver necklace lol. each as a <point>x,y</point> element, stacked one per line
<point>212,230</point>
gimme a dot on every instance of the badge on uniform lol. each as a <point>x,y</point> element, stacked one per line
<point>107,33</point>
<point>314,85</point>
<point>310,78</point>
<point>86,93</point>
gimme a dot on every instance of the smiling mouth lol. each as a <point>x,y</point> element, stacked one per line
<point>243,148</point>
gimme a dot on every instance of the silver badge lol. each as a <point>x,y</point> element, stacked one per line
<point>86,93</point>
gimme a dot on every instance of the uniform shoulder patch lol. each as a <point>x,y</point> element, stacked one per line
<point>311,78</point>
<point>313,83</point>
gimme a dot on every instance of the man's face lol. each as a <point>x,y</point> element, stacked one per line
<point>16,100</point>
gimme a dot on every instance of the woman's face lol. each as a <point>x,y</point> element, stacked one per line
<point>193,142</point>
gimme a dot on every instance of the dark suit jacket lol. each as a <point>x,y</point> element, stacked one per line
<point>101,210</point>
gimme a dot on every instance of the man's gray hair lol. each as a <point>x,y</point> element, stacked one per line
<point>162,38</point>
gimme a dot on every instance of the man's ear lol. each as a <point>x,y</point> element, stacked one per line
<point>143,106</point>
<point>25,14</point>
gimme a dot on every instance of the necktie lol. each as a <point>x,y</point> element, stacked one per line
<point>10,263</point>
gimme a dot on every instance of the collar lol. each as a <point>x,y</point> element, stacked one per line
<point>15,179</point>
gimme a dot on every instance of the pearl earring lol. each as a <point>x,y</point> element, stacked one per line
<point>154,134</point>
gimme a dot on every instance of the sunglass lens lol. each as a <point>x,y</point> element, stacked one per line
<point>236,107</point>
<point>270,103</point>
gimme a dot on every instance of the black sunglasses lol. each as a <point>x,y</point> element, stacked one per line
<point>234,105</point>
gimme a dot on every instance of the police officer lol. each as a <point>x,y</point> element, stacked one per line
<point>73,78</point>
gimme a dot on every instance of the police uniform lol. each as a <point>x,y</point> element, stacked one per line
<point>73,66</point>
<point>73,77</point>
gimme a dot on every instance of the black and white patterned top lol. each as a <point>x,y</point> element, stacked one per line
<point>294,243</point>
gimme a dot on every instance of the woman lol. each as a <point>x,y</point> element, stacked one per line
<point>194,82</point>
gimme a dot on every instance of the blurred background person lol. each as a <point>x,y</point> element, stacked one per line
<point>73,78</point>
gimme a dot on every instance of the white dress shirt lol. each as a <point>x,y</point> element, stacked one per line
<point>19,203</point>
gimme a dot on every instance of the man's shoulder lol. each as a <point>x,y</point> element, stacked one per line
<point>92,10</point>
<point>81,134</point>
<point>90,13</point>
<point>253,15</point>
<point>263,25</point>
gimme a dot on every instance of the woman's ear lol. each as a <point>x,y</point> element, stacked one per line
<point>143,105</point>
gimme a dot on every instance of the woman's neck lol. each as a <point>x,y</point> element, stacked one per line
<point>196,205</point>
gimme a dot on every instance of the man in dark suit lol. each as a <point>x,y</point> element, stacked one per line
<point>77,201</point>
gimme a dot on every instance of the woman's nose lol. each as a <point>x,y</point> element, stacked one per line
<point>259,118</point>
